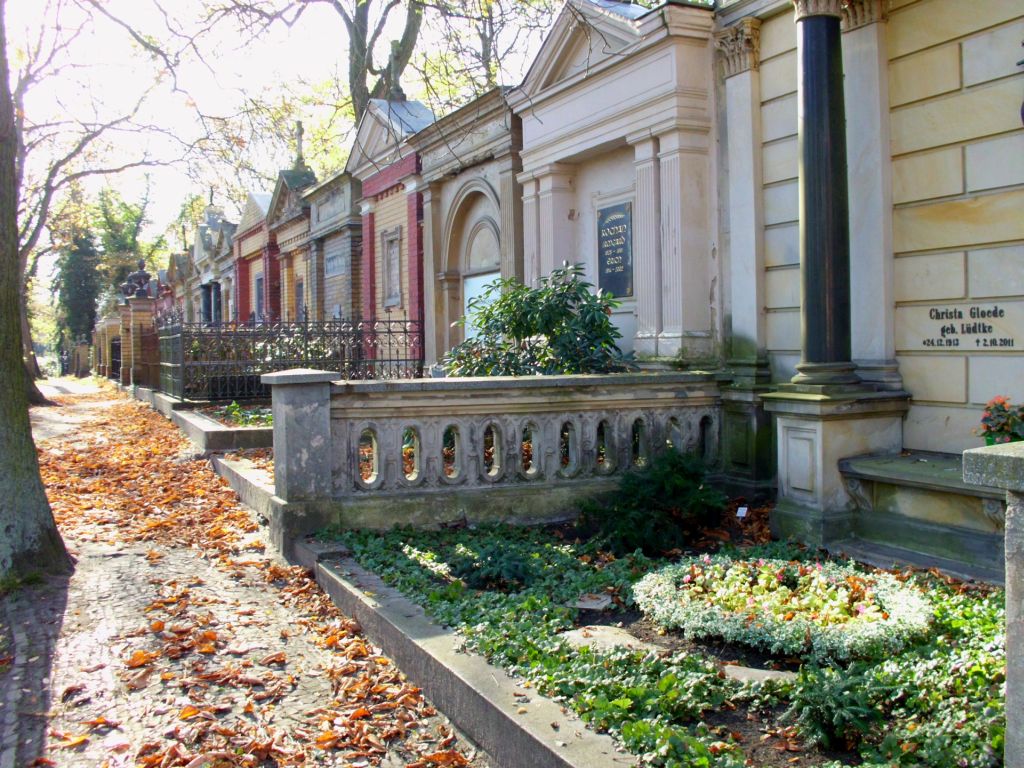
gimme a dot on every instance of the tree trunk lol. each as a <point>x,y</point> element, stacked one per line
<point>29,540</point>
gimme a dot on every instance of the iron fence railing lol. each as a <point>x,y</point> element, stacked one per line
<point>225,361</point>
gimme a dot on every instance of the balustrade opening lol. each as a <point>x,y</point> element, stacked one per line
<point>410,454</point>
<point>452,450</point>
<point>527,447</point>
<point>492,451</point>
<point>638,443</point>
<point>369,457</point>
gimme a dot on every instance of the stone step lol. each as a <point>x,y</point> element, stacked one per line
<point>888,556</point>
<point>918,503</point>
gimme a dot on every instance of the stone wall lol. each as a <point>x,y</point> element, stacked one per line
<point>958,218</point>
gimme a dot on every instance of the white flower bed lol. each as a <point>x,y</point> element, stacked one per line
<point>814,610</point>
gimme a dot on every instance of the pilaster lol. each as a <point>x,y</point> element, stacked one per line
<point>556,194</point>
<point>369,271</point>
<point>435,320</point>
<point>866,84</point>
<point>531,230</point>
<point>315,277</point>
<point>510,196</point>
<point>414,217</point>
<point>685,246</point>
<point>647,239</point>
<point>739,46</point>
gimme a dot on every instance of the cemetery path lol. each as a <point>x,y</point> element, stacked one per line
<point>180,639</point>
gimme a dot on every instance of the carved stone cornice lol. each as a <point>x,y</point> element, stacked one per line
<point>805,8</point>
<point>739,46</point>
<point>860,13</point>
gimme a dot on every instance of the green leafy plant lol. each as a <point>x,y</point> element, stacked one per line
<point>492,566</point>
<point>1002,421</point>
<point>562,327</point>
<point>657,507</point>
<point>833,708</point>
<point>820,610</point>
<point>244,416</point>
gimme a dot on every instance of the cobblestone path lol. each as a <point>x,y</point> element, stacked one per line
<point>158,653</point>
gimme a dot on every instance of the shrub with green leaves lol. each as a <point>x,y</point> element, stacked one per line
<point>562,327</point>
<point>657,507</point>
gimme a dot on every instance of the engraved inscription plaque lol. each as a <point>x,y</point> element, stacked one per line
<point>615,249</point>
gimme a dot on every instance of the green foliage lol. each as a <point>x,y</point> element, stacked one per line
<point>560,328</point>
<point>244,416</point>
<point>817,610</point>
<point>11,583</point>
<point>493,566</point>
<point>834,708</point>
<point>77,286</point>
<point>657,507</point>
<point>118,225</point>
<point>936,704</point>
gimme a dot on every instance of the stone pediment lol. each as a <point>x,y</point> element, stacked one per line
<point>376,145</point>
<point>383,130</point>
<point>586,35</point>
<point>255,211</point>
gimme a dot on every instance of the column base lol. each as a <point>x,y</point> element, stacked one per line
<point>882,374</point>
<point>814,430</point>
<point>826,373</point>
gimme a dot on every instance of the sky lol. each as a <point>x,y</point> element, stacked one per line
<point>106,72</point>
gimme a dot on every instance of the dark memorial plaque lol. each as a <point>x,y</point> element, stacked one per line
<point>615,250</point>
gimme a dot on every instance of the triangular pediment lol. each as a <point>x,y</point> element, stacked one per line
<point>254,212</point>
<point>585,35</point>
<point>377,144</point>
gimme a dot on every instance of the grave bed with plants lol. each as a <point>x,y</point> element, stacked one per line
<point>891,668</point>
<point>235,415</point>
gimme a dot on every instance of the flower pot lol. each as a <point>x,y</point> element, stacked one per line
<point>999,439</point>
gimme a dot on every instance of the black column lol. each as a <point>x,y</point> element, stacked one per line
<point>206,303</point>
<point>824,214</point>
<point>218,310</point>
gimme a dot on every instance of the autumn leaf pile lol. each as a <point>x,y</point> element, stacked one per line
<point>128,477</point>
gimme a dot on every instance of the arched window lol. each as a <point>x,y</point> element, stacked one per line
<point>481,265</point>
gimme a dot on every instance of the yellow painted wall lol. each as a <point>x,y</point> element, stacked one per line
<point>958,193</point>
<point>958,216</point>
<point>391,211</point>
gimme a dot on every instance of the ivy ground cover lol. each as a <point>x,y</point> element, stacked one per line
<point>934,699</point>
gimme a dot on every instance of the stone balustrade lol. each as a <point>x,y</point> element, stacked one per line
<point>430,451</point>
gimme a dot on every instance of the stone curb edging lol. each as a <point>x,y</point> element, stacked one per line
<point>205,433</point>
<point>512,724</point>
<point>480,699</point>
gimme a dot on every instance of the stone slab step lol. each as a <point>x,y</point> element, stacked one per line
<point>886,556</point>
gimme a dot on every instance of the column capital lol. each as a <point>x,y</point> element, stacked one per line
<point>739,46</point>
<point>413,184</point>
<point>805,8</point>
<point>860,13</point>
<point>366,207</point>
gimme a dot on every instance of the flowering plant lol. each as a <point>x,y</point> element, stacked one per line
<point>817,610</point>
<point>1002,421</point>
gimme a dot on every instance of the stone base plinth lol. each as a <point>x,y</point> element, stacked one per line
<point>815,428</point>
<point>748,446</point>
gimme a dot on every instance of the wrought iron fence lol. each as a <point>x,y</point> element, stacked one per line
<point>225,361</point>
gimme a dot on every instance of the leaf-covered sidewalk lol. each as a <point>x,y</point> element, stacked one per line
<point>180,640</point>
